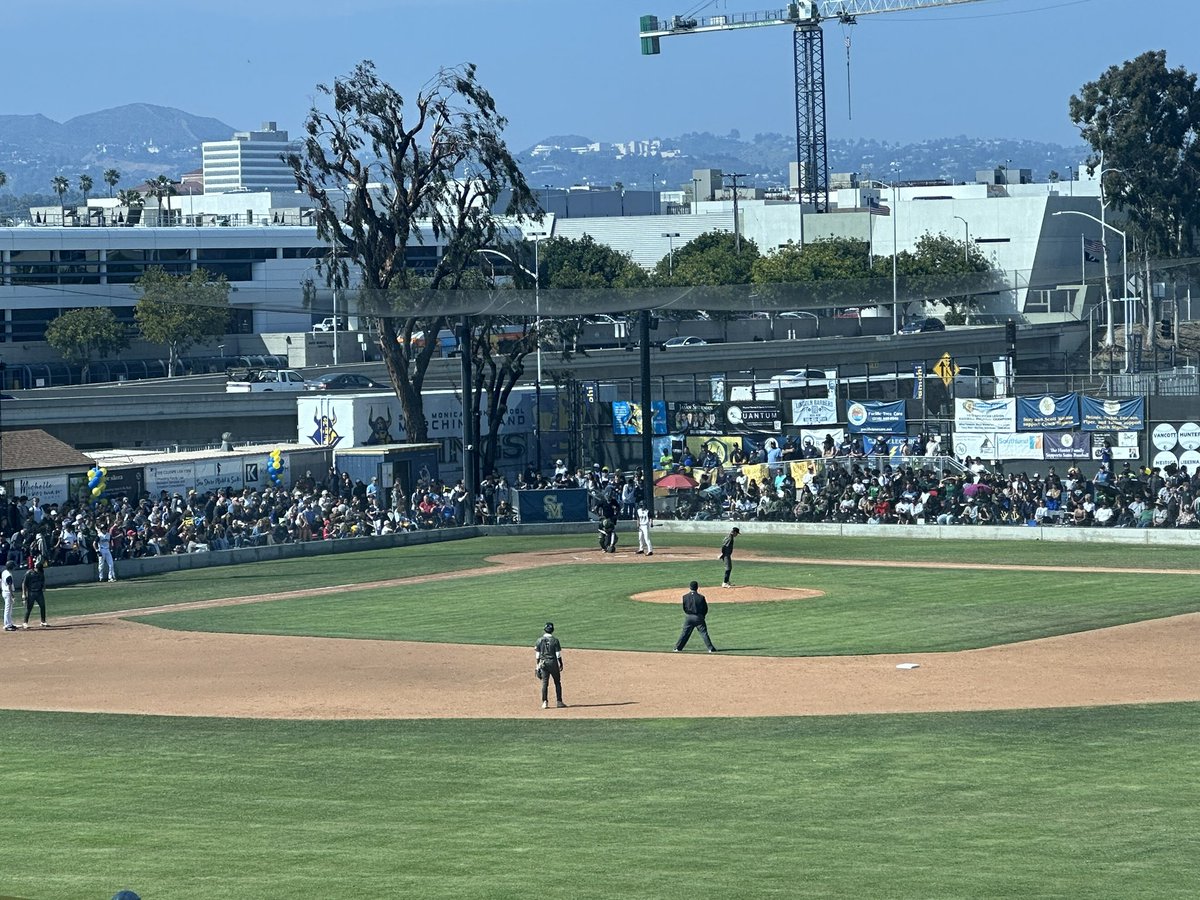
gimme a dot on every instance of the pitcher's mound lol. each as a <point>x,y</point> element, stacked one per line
<point>749,593</point>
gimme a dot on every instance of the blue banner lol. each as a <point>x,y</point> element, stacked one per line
<point>876,417</point>
<point>1113,415</point>
<point>552,506</point>
<point>1048,413</point>
<point>627,417</point>
<point>1066,445</point>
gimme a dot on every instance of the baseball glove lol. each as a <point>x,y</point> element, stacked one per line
<point>539,673</point>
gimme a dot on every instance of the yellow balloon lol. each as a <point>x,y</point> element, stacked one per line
<point>97,491</point>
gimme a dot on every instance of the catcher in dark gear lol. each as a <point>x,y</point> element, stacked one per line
<point>549,664</point>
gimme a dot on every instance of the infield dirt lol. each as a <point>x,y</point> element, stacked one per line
<point>104,663</point>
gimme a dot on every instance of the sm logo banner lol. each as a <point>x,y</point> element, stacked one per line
<point>552,506</point>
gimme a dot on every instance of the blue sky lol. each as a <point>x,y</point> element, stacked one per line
<point>988,69</point>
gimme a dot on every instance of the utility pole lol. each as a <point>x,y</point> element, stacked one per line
<point>737,228</point>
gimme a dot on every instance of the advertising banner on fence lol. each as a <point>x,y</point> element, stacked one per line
<point>814,412</point>
<point>876,417</point>
<point>1189,436</point>
<point>1048,413</point>
<point>170,477</point>
<point>1121,445</point>
<point>974,444</point>
<point>1164,436</point>
<point>817,436</point>
<point>985,415</point>
<point>214,474</point>
<point>1113,415</point>
<point>47,488</point>
<point>722,447</point>
<point>124,483</point>
<point>1023,445</point>
<point>1066,445</point>
<point>749,416</point>
<point>695,418</point>
<point>627,417</point>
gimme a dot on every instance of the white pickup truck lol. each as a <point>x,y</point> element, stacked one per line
<point>257,380</point>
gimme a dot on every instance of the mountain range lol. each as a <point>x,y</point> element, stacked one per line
<point>143,141</point>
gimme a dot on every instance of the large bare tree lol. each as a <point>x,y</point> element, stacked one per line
<point>387,176</point>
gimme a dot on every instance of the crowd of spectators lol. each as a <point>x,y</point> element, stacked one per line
<point>912,491</point>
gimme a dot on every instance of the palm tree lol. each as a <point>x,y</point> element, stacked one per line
<point>163,187</point>
<point>3,179</point>
<point>111,177</point>
<point>85,185</point>
<point>61,186</point>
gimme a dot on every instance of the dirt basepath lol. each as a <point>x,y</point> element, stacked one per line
<point>103,663</point>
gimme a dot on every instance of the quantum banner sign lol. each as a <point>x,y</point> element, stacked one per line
<point>876,417</point>
<point>1113,415</point>
<point>743,417</point>
<point>1048,413</point>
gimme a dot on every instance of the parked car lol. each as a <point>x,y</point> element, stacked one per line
<point>683,341</point>
<point>345,381</point>
<point>802,378</point>
<point>917,326</point>
<point>327,324</point>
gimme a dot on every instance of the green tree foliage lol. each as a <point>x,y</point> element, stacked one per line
<point>937,263</point>
<point>398,165</point>
<point>585,263</point>
<point>181,310</point>
<point>85,186</point>
<point>1143,121</point>
<point>825,273</point>
<point>79,333</point>
<point>61,186</point>
<point>708,260</point>
<point>163,189</point>
<point>111,177</point>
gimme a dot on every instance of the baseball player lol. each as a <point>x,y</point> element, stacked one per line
<point>644,522</point>
<point>7,587</point>
<point>550,663</point>
<point>103,548</point>
<point>33,589</point>
<point>727,554</point>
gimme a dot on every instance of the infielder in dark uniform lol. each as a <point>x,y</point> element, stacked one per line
<point>727,554</point>
<point>33,589</point>
<point>695,608</point>
<point>550,663</point>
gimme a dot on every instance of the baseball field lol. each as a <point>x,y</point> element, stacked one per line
<point>368,725</point>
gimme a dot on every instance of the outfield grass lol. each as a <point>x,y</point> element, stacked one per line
<point>863,610</point>
<point>1050,803</point>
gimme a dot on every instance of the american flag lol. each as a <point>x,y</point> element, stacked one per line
<point>877,208</point>
<point>1093,250</point>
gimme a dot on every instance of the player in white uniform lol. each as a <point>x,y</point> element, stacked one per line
<point>104,555</point>
<point>644,522</point>
<point>7,587</point>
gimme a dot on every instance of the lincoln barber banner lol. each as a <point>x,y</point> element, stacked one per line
<point>876,417</point>
<point>1113,415</point>
<point>1048,413</point>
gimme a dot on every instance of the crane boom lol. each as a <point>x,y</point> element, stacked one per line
<point>805,17</point>
<point>803,12</point>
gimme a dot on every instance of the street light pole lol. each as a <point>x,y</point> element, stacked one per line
<point>966,238</point>
<point>670,236</point>
<point>1124,269</point>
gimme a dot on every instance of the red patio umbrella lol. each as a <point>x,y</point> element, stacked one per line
<point>676,480</point>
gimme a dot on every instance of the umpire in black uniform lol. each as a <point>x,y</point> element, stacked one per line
<point>695,608</point>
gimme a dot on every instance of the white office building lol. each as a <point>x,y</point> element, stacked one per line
<point>251,161</point>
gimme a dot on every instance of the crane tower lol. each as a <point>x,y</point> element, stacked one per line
<point>805,17</point>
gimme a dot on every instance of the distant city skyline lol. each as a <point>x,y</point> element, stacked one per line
<point>990,69</point>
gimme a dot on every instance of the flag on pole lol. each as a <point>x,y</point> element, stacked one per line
<point>877,208</point>
<point>918,381</point>
<point>1093,250</point>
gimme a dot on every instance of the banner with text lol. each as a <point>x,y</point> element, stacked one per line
<point>1025,445</point>
<point>985,415</point>
<point>1113,415</point>
<point>1048,413</point>
<point>627,417</point>
<point>876,417</point>
<point>1066,445</point>
<point>743,417</point>
<point>814,412</point>
<point>695,418</point>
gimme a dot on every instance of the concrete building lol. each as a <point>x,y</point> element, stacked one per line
<point>250,161</point>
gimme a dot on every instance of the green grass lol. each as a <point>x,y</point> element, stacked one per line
<point>863,610</point>
<point>1058,803</point>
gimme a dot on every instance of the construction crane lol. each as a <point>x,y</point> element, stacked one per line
<point>805,16</point>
